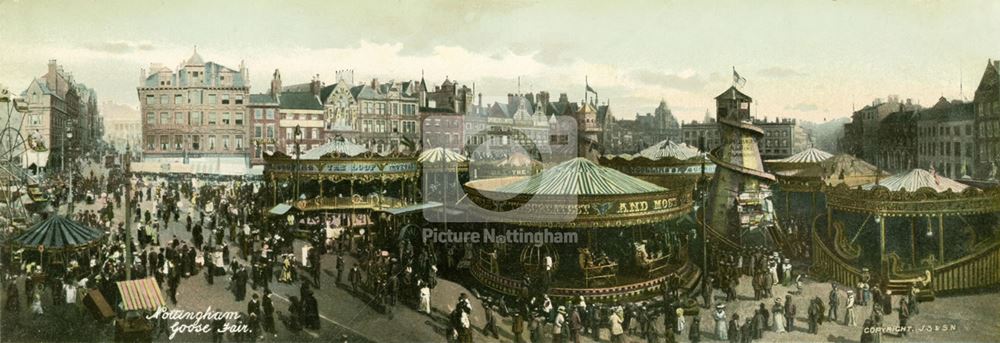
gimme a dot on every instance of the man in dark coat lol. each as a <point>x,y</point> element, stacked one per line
<point>253,306</point>
<point>575,324</point>
<point>267,311</point>
<point>340,268</point>
<point>814,312</point>
<point>904,314</point>
<point>789,314</point>
<point>734,331</point>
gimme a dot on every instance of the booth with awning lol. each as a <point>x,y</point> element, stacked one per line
<point>142,294</point>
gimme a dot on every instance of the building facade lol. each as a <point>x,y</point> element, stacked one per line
<point>895,149</point>
<point>987,122</point>
<point>694,132</point>
<point>863,141</point>
<point>783,137</point>
<point>196,113</point>
<point>53,109</point>
<point>945,138</point>
<point>123,126</point>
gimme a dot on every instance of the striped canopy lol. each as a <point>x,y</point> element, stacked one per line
<point>666,149</point>
<point>440,155</point>
<point>916,179</point>
<point>580,176</point>
<point>811,155</point>
<point>58,232</point>
<point>143,294</point>
<point>340,146</point>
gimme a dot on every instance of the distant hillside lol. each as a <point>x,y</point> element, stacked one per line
<point>825,135</point>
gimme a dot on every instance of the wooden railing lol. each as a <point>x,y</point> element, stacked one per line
<point>828,264</point>
<point>979,269</point>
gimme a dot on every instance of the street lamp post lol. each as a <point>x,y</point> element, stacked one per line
<point>69,135</point>
<point>127,165</point>
<point>298,156</point>
<point>704,219</point>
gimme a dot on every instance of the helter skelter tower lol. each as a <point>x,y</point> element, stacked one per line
<point>738,205</point>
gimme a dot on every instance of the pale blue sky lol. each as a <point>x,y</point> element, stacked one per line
<point>805,59</point>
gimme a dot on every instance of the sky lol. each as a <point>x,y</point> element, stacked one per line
<point>813,60</point>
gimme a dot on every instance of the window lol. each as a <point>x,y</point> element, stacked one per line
<point>211,99</point>
<point>150,118</point>
<point>178,142</point>
<point>225,142</point>
<point>164,142</point>
<point>258,113</point>
<point>178,99</point>
<point>366,125</point>
<point>238,118</point>
<point>239,142</point>
<point>270,131</point>
<point>211,118</point>
<point>164,118</point>
<point>195,97</point>
<point>195,118</point>
<point>164,99</point>
<point>258,131</point>
<point>225,118</point>
<point>225,99</point>
<point>195,142</point>
<point>36,119</point>
<point>315,133</point>
<point>958,149</point>
<point>239,99</point>
<point>211,142</point>
<point>150,99</point>
<point>269,113</point>
<point>180,118</point>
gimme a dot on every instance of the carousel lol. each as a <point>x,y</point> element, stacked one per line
<point>580,230</point>
<point>342,186</point>
<point>56,243</point>
<point>667,164</point>
<point>801,179</point>
<point>915,230</point>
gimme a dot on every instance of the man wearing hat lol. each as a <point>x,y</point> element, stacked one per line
<point>575,323</point>
<point>557,326</point>
<point>834,302</point>
<point>491,321</point>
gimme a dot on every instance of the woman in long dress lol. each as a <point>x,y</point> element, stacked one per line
<point>778,316</point>
<point>721,325</point>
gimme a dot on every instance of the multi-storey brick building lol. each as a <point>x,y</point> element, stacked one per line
<point>195,114</point>
<point>895,148</point>
<point>945,138</point>
<point>53,109</point>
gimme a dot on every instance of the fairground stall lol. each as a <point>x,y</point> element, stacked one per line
<point>516,164</point>
<point>580,230</point>
<point>915,229</point>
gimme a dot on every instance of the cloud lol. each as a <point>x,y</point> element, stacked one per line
<point>119,46</point>
<point>779,72</point>
<point>688,81</point>
<point>802,107</point>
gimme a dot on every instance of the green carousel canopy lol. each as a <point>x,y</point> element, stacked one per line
<point>337,147</point>
<point>666,163</point>
<point>575,193</point>
<point>670,149</point>
<point>914,193</point>
<point>58,232</point>
<point>808,156</point>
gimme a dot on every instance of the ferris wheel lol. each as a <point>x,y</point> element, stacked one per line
<point>16,183</point>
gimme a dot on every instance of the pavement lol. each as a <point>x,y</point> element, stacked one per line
<point>969,318</point>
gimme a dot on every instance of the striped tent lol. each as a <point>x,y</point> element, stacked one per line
<point>580,176</point>
<point>143,294</point>
<point>440,155</point>
<point>58,232</point>
<point>666,149</point>
<point>811,155</point>
<point>518,159</point>
<point>916,179</point>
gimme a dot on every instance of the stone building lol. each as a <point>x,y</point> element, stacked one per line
<point>987,122</point>
<point>694,132</point>
<point>945,139</point>
<point>195,114</point>
<point>633,135</point>
<point>783,137</point>
<point>388,116</point>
